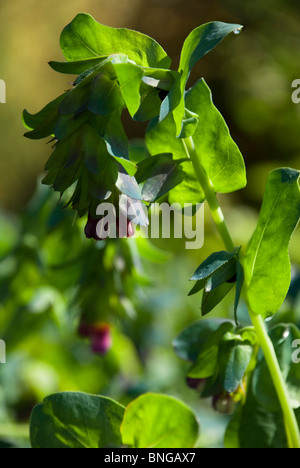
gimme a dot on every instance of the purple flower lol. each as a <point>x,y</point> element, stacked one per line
<point>101,339</point>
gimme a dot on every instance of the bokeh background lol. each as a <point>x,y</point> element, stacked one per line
<point>250,76</point>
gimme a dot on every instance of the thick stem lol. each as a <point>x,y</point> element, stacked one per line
<point>291,425</point>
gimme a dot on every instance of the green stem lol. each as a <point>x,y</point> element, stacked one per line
<point>291,425</point>
<point>278,380</point>
<point>210,196</point>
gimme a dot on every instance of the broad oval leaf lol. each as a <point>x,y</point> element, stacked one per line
<point>159,421</point>
<point>86,38</point>
<point>266,263</point>
<point>76,420</point>
<point>219,154</point>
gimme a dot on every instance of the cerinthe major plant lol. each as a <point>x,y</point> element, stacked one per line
<point>191,157</point>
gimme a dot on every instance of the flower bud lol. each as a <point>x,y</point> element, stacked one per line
<point>90,229</point>
<point>196,384</point>
<point>101,339</point>
<point>223,403</point>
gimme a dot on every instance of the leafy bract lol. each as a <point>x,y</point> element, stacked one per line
<point>189,343</point>
<point>159,421</point>
<point>86,38</point>
<point>234,359</point>
<point>32,121</point>
<point>207,360</point>
<point>217,276</point>
<point>266,263</point>
<point>76,420</point>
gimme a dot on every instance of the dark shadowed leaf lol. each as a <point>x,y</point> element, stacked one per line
<point>189,343</point>
<point>76,420</point>
<point>234,358</point>
<point>207,360</point>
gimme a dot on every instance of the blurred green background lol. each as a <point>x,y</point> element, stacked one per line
<point>250,76</point>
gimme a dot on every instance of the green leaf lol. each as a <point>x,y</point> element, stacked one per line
<point>215,262</point>
<point>76,100</point>
<point>231,438</point>
<point>130,77</point>
<point>149,105</point>
<point>215,275</point>
<point>32,121</point>
<point>105,95</point>
<point>240,277</point>
<point>117,143</point>
<point>76,420</point>
<point>207,360</point>
<point>129,186</point>
<point>65,153</point>
<point>162,79</point>
<point>161,138</point>
<point>260,428</point>
<point>68,124</point>
<point>211,299</point>
<point>234,358</point>
<point>266,263</point>
<point>159,421</point>
<point>189,343</point>
<point>78,66</point>
<point>86,38</point>
<point>94,150</point>
<point>199,42</point>
<point>219,154</point>
<point>164,176</point>
<point>222,275</point>
<point>282,337</point>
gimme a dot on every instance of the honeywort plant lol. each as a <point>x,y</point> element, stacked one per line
<point>190,156</point>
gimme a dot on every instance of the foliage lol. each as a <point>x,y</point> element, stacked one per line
<point>190,155</point>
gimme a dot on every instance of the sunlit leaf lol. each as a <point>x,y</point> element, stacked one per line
<point>86,38</point>
<point>159,421</point>
<point>266,263</point>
